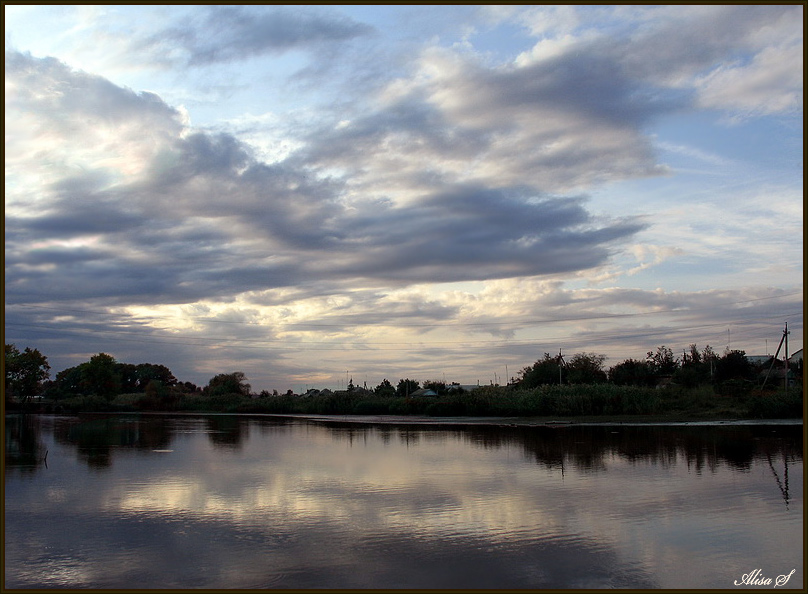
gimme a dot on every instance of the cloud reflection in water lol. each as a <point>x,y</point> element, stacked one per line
<point>306,505</point>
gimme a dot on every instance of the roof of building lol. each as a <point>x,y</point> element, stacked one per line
<point>466,387</point>
<point>424,392</point>
<point>758,359</point>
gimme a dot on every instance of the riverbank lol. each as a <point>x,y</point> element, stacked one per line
<point>515,422</point>
<point>579,403</point>
<point>628,420</point>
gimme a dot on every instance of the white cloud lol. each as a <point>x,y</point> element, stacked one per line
<point>772,83</point>
<point>430,211</point>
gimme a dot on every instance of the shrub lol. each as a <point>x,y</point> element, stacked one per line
<point>638,401</point>
<point>735,388</point>
<point>377,406</point>
<point>90,403</point>
<point>408,406</point>
<point>777,406</point>
<point>444,408</point>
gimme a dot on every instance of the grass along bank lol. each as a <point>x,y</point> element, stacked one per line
<point>596,401</point>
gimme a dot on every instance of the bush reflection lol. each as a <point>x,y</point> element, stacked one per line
<point>586,448</point>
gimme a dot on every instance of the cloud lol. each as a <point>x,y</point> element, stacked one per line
<point>737,58</point>
<point>73,133</point>
<point>266,226</point>
<point>474,233</point>
<point>558,126</point>
<point>444,193</point>
<point>771,84</point>
<point>231,33</point>
<point>57,91</point>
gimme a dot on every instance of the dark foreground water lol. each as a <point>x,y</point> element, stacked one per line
<point>226,501</point>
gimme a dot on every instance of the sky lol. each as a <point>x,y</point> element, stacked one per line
<point>313,194</point>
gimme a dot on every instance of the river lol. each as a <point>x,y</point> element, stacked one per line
<point>254,502</point>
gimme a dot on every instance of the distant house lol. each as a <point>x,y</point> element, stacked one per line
<point>424,392</point>
<point>356,391</point>
<point>453,387</point>
<point>766,360</point>
<point>775,370</point>
<point>759,360</point>
<point>795,358</point>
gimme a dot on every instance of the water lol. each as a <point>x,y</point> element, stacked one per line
<point>227,501</point>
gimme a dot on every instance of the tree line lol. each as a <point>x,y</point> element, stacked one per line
<point>27,375</point>
<point>694,368</point>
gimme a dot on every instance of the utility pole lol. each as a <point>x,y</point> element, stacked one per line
<point>784,339</point>
<point>785,359</point>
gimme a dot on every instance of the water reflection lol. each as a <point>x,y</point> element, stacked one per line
<point>24,448</point>
<point>227,431</point>
<point>224,501</point>
<point>98,438</point>
<point>584,448</point>
<point>781,484</point>
<point>588,448</point>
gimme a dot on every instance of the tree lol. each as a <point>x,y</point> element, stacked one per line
<point>695,367</point>
<point>129,382</point>
<point>187,388</point>
<point>149,372</point>
<point>385,389</point>
<point>543,371</point>
<point>68,382</point>
<point>228,383</point>
<point>406,387</point>
<point>692,357</point>
<point>101,376</point>
<point>155,389</point>
<point>586,368</point>
<point>708,355</point>
<point>733,365</point>
<point>25,372</point>
<point>632,372</point>
<point>437,386</point>
<point>663,362</point>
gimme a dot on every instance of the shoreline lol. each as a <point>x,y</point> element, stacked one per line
<point>555,422</point>
<point>512,422</point>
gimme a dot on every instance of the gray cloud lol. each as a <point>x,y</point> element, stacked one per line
<point>583,83</point>
<point>474,233</point>
<point>70,100</point>
<point>74,219</point>
<point>557,124</point>
<point>208,220</point>
<point>433,168</point>
<point>690,40</point>
<point>228,33</point>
